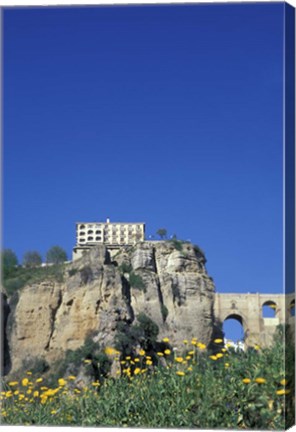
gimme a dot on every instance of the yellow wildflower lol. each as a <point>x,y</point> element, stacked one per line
<point>87,361</point>
<point>189,368</point>
<point>39,380</point>
<point>53,412</point>
<point>188,357</point>
<point>141,352</point>
<point>201,346</point>
<point>149,362</point>
<point>165,340</point>
<point>8,394</point>
<point>122,362</point>
<point>36,393</point>
<point>193,342</point>
<point>213,357</point>
<point>148,357</point>
<point>110,351</point>
<point>246,380</point>
<point>219,355</point>
<point>160,354</point>
<point>77,391</point>
<point>226,365</point>
<point>185,341</point>
<point>128,358</point>
<point>71,378</point>
<point>260,380</point>
<point>218,341</point>
<point>224,350</point>
<point>167,351</point>
<point>257,347</point>
<point>25,382</point>
<point>137,371</point>
<point>13,383</point>
<point>284,382</point>
<point>283,392</point>
<point>136,360</point>
<point>16,392</point>
<point>29,373</point>
<point>180,373</point>
<point>179,359</point>
<point>62,382</point>
<point>95,384</point>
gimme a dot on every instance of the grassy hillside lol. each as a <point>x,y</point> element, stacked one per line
<point>190,388</point>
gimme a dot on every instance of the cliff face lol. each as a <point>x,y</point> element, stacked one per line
<point>167,281</point>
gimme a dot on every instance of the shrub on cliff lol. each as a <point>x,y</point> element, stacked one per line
<point>137,282</point>
<point>32,259</point>
<point>9,262</point>
<point>56,255</point>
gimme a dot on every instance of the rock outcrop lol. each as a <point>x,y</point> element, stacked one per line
<point>166,280</point>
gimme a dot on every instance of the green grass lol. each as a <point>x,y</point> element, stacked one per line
<point>192,390</point>
<point>21,276</point>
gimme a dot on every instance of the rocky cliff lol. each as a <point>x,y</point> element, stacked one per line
<point>166,280</point>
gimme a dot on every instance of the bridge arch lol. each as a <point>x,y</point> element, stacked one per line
<point>240,333</point>
<point>269,309</point>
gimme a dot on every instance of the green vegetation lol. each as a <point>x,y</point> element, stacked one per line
<point>96,364</point>
<point>162,233</point>
<point>56,255</point>
<point>72,272</point>
<point>32,259</point>
<point>178,244</point>
<point>8,262</point>
<point>18,277</point>
<point>137,282</point>
<point>191,388</point>
<point>164,312</point>
<point>125,268</point>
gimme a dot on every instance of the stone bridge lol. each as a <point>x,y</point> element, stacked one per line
<point>248,310</point>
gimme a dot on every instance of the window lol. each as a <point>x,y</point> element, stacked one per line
<point>90,232</point>
<point>269,309</point>
<point>90,238</point>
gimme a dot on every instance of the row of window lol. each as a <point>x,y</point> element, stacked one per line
<point>82,240</point>
<point>90,232</point>
<point>107,239</point>
<point>82,227</point>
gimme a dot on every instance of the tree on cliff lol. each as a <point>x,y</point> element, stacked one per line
<point>32,259</point>
<point>56,255</point>
<point>162,232</point>
<point>9,261</point>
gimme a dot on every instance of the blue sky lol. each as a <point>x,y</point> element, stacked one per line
<point>171,115</point>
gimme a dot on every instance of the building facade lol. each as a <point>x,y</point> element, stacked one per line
<point>112,234</point>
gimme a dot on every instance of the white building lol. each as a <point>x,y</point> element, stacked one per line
<point>112,234</point>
